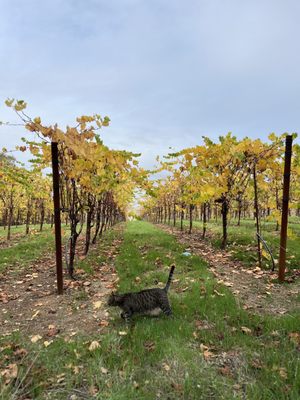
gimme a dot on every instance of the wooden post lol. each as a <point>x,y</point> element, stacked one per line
<point>257,216</point>
<point>55,174</point>
<point>285,206</point>
<point>204,220</point>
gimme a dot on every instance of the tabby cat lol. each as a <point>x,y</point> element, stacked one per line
<point>148,301</point>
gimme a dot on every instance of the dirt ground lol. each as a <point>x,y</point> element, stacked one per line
<point>4,244</point>
<point>254,288</point>
<point>29,302</point>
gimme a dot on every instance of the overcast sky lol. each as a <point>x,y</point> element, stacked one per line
<point>165,71</point>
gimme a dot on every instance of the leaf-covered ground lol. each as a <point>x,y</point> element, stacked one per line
<point>210,349</point>
<point>29,293</point>
<point>257,289</point>
<point>242,240</point>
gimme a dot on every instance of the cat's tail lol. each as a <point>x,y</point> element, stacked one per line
<point>170,278</point>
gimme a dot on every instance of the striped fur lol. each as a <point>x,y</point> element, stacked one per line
<point>170,278</point>
<point>148,301</point>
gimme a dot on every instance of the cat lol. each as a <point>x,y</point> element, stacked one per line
<point>147,302</point>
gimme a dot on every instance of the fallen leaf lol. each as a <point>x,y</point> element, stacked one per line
<point>4,297</point>
<point>203,290</point>
<point>246,330</point>
<point>236,386</point>
<point>109,286</point>
<point>181,290</point>
<point>35,338</point>
<point>20,352</point>
<point>80,271</point>
<point>207,354</point>
<point>94,345</point>
<point>103,323</point>
<point>226,371</point>
<point>166,367</point>
<point>10,372</point>
<point>256,364</point>
<point>93,390</point>
<point>275,333</point>
<point>149,345</point>
<point>203,347</point>
<point>283,373</point>
<point>295,337</point>
<point>60,378</point>
<point>52,330</point>
<point>76,354</point>
<point>76,370</point>
<point>177,386</point>
<point>205,350</point>
<point>35,314</point>
<point>97,304</point>
<point>218,293</point>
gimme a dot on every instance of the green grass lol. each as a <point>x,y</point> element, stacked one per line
<point>161,358</point>
<point>13,230</point>
<point>242,240</point>
<point>26,249</point>
<point>20,229</point>
<point>96,255</point>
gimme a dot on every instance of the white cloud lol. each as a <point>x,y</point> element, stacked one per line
<point>166,72</point>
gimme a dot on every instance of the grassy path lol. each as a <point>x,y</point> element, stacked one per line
<point>214,349</point>
<point>209,349</point>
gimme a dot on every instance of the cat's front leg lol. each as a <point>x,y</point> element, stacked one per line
<point>166,309</point>
<point>168,312</point>
<point>126,314</point>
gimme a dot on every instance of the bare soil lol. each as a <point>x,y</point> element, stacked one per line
<point>29,302</point>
